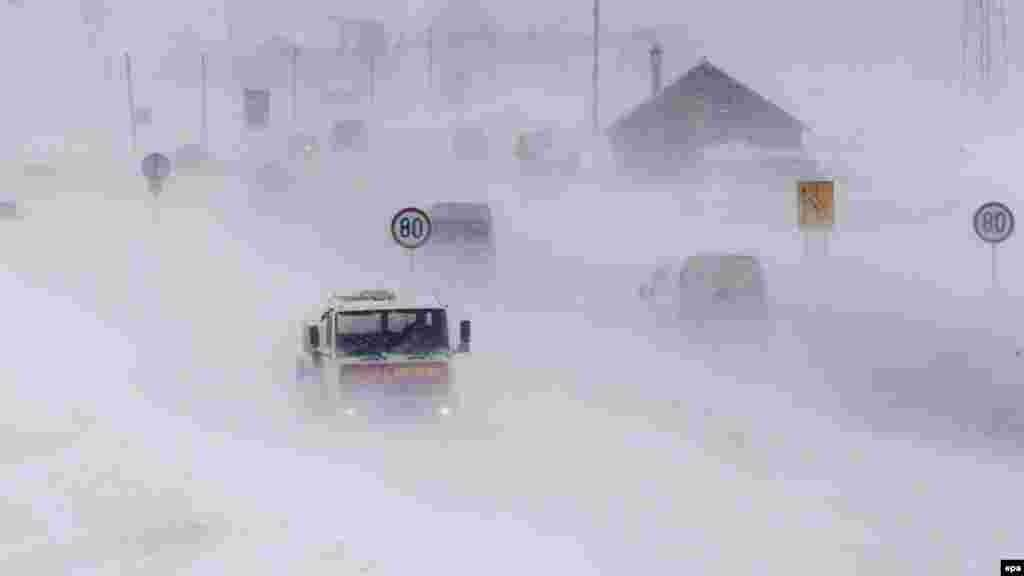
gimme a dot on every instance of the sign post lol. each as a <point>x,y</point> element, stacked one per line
<point>816,211</point>
<point>156,168</point>
<point>994,223</point>
<point>410,229</point>
<point>131,99</point>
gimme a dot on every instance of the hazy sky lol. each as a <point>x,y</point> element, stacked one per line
<point>817,58</point>
<point>867,30</point>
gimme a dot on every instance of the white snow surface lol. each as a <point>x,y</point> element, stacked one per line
<point>150,425</point>
<point>150,429</point>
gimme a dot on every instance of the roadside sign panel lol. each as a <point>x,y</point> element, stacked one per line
<point>816,201</point>
<point>257,108</point>
<point>410,228</point>
<point>156,166</point>
<point>994,222</point>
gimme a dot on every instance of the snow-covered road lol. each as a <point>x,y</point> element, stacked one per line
<point>148,423</point>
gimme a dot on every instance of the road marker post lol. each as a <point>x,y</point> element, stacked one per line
<point>994,224</point>
<point>156,168</point>
<point>816,212</point>
<point>410,229</point>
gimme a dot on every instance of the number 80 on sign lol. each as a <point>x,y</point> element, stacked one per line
<point>410,228</point>
<point>993,222</point>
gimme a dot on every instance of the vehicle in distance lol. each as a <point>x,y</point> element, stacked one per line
<point>304,151</point>
<point>378,352</point>
<point>349,135</point>
<point>9,210</point>
<point>470,143</point>
<point>547,153</point>
<point>707,286</point>
<point>461,250</point>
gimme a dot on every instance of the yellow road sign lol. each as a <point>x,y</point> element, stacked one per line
<point>816,201</point>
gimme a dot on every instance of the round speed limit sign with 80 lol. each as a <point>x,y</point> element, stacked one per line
<point>410,228</point>
<point>993,222</point>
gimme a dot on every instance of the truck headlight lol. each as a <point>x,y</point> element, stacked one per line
<point>350,411</point>
<point>444,411</point>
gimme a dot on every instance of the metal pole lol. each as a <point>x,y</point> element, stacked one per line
<point>373,60</point>
<point>594,102</point>
<point>203,133</point>
<point>995,270</point>
<point>295,83</point>
<point>131,99</point>
<point>430,57</point>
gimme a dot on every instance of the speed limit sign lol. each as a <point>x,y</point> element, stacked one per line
<point>993,222</point>
<point>410,228</point>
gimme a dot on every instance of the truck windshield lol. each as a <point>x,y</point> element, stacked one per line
<point>378,332</point>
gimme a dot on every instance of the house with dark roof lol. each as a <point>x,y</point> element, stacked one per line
<point>704,109</point>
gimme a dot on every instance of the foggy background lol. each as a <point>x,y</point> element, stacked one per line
<point>149,421</point>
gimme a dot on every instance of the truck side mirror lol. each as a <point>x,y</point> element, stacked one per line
<point>312,337</point>
<point>464,336</point>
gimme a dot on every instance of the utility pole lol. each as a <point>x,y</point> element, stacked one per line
<point>983,37</point>
<point>131,99</point>
<point>295,82</point>
<point>594,101</point>
<point>430,57</point>
<point>203,134</point>
<point>340,23</point>
<point>373,75</point>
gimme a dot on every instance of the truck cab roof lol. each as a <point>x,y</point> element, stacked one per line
<point>373,300</point>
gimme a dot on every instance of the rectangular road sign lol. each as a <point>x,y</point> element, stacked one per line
<point>256,108</point>
<point>816,204</point>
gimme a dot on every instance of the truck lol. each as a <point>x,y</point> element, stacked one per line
<point>547,153</point>
<point>382,352</point>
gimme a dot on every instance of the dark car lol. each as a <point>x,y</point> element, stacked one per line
<point>461,250</point>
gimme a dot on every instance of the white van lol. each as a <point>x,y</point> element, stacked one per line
<point>707,286</point>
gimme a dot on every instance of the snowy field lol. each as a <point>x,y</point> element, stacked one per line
<point>151,429</point>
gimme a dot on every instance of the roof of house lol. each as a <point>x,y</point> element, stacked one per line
<point>710,85</point>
